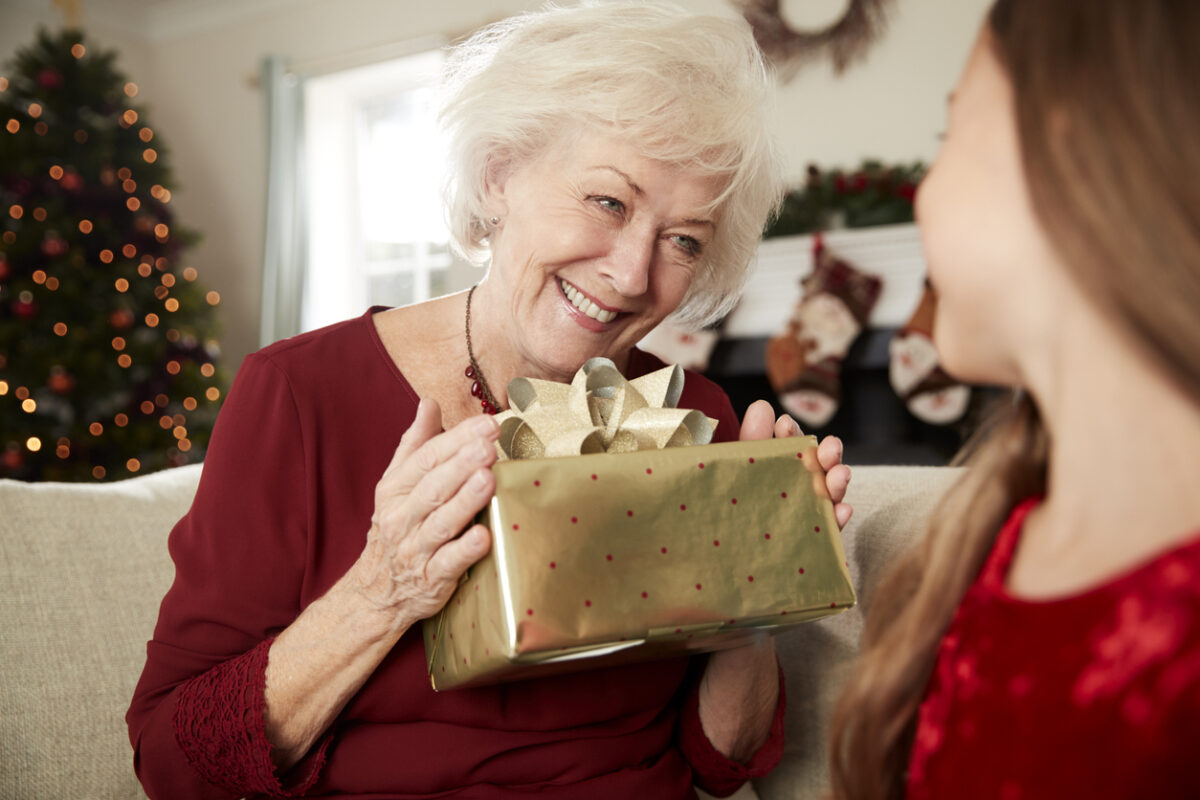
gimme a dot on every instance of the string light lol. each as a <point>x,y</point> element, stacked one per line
<point>145,134</point>
<point>184,445</point>
<point>124,173</point>
<point>56,172</point>
<point>21,393</point>
<point>95,429</point>
<point>213,298</point>
<point>168,280</point>
<point>161,230</point>
<point>121,284</point>
<point>129,185</point>
<point>207,369</point>
<point>124,361</point>
<point>180,432</point>
<point>39,276</point>
<point>81,136</point>
<point>147,407</point>
<point>41,128</point>
<point>129,117</point>
<point>39,214</point>
<point>131,89</point>
<point>63,451</point>
<point>152,320</point>
<point>33,443</point>
<point>190,274</point>
<point>85,226</point>
<point>106,257</point>
<point>15,211</point>
<point>52,283</point>
<point>3,84</point>
<point>60,328</point>
<point>29,405</point>
<point>35,110</point>
<point>129,251</point>
<point>98,473</point>
<point>161,400</point>
<point>13,126</point>
<point>213,394</point>
<point>165,423</point>
<point>133,204</point>
<point>188,402</point>
<point>133,465</point>
<point>121,420</point>
<point>4,391</point>
<point>78,50</point>
<point>171,305</point>
<point>150,155</point>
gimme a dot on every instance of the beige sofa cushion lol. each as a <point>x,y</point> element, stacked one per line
<point>83,569</point>
<point>891,505</point>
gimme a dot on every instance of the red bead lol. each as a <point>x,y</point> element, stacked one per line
<point>469,371</point>
<point>476,389</point>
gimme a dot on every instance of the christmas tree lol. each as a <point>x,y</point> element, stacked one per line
<point>108,361</point>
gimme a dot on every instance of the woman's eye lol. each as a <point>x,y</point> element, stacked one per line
<point>688,244</point>
<point>610,204</point>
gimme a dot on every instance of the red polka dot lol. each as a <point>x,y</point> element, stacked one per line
<point>552,565</point>
<point>435,637</point>
<point>587,603</point>
<point>443,667</point>
<point>464,661</point>
<point>716,542</point>
<point>698,587</point>
<point>783,613</point>
<point>679,630</point>
<point>683,507</point>
<point>472,626</point>
<point>452,636</point>
<point>733,500</point>
<point>802,570</point>
<point>664,550</point>
<point>750,578</point>
<point>593,476</point>
<point>817,528</point>
<point>487,651</point>
<point>732,621</point>
<point>609,557</point>
<point>529,612</point>
<point>799,455</point>
<point>516,527</point>
<point>783,495</point>
<point>701,465</point>
<point>574,520</point>
<point>629,513</point>
<point>649,471</point>
<point>833,605</point>
<point>752,460</point>
<point>766,536</point>
<point>645,595</point>
<point>537,483</point>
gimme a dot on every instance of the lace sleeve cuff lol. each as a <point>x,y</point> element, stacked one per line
<point>219,726</point>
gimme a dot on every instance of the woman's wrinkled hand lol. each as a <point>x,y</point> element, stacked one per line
<point>760,423</point>
<point>417,548</point>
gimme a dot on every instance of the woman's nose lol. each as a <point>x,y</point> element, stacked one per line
<point>628,264</point>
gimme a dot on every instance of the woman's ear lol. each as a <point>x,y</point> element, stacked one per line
<point>495,181</point>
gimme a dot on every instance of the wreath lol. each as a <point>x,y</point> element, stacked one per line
<point>845,41</point>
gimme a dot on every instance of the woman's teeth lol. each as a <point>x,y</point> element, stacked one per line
<point>585,305</point>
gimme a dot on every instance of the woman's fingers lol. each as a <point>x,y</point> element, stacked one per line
<point>453,558</point>
<point>425,425</point>
<point>407,472</point>
<point>443,521</point>
<point>786,427</point>
<point>842,512</point>
<point>829,452</point>
<point>837,480</point>
<point>759,422</point>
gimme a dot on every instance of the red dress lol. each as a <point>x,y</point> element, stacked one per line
<point>280,514</point>
<point>1096,695</point>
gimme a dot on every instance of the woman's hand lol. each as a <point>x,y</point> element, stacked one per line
<point>434,486</point>
<point>740,688</point>
<point>760,423</point>
<point>430,492</point>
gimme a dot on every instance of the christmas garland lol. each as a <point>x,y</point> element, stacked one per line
<point>874,194</point>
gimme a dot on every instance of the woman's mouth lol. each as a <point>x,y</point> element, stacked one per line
<point>585,305</point>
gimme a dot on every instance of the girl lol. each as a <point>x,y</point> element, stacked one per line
<point>1044,640</point>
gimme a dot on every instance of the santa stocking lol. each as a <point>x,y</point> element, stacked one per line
<point>930,394</point>
<point>804,363</point>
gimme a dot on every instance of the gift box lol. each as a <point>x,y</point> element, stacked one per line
<point>621,553</point>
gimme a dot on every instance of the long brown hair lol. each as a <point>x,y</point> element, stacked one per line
<point>1107,119</point>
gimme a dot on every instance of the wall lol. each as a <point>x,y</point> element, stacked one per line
<point>195,79</point>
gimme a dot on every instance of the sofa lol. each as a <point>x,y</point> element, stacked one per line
<point>83,567</point>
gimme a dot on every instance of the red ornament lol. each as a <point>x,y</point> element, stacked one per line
<point>25,309</point>
<point>53,245</point>
<point>4,270</point>
<point>71,181</point>
<point>50,79</point>
<point>121,319</point>
<point>60,381</point>
<point>13,459</point>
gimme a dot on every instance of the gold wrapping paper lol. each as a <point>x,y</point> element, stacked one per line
<point>617,556</point>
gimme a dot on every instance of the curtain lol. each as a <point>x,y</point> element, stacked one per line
<point>285,249</point>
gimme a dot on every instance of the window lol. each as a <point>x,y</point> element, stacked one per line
<point>374,170</point>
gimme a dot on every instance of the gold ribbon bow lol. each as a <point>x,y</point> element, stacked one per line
<point>599,412</point>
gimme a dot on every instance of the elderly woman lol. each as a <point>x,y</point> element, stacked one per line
<point>612,163</point>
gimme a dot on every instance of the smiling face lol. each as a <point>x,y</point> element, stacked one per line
<point>598,244</point>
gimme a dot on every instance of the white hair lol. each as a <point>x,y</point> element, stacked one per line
<point>687,90</point>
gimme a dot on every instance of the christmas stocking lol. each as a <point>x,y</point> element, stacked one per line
<point>804,363</point>
<point>930,394</point>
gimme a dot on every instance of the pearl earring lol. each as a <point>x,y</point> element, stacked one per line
<point>495,221</point>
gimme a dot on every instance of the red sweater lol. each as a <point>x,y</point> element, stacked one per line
<point>281,512</point>
<point>1096,695</point>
